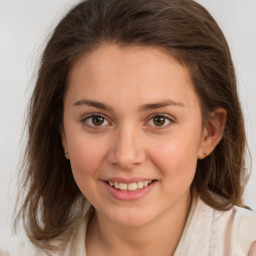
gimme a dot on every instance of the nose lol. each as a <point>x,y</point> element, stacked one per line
<point>126,149</point>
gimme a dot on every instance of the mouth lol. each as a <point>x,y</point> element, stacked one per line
<point>133,186</point>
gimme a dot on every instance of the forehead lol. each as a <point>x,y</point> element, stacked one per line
<point>138,73</point>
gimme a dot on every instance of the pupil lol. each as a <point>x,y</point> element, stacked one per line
<point>98,120</point>
<point>159,121</point>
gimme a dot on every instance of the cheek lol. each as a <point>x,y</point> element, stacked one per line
<point>86,156</point>
<point>176,159</point>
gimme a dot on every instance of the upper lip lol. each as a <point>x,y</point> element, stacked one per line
<point>128,180</point>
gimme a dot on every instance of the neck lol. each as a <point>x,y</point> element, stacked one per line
<point>158,237</point>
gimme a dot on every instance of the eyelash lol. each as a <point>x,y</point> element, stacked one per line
<point>88,117</point>
<point>166,117</point>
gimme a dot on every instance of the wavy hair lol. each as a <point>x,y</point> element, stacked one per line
<point>53,204</point>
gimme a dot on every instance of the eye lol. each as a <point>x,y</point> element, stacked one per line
<point>160,120</point>
<point>95,120</point>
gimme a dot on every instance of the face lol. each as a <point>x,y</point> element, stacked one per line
<point>133,130</point>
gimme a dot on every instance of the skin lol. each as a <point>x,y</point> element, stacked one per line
<point>252,251</point>
<point>129,144</point>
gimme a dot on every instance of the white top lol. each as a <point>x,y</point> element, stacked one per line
<point>207,232</point>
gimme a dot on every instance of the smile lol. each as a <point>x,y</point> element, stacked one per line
<point>130,186</point>
<point>129,189</point>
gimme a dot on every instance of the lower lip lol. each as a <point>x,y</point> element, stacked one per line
<point>129,195</point>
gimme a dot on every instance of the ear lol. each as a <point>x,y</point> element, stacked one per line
<point>212,132</point>
<point>64,141</point>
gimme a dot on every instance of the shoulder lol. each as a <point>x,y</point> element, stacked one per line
<point>246,231</point>
<point>212,232</point>
<point>236,227</point>
<point>73,245</point>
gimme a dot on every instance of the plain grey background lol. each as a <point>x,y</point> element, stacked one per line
<point>24,27</point>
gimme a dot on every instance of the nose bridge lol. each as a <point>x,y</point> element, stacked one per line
<point>127,147</point>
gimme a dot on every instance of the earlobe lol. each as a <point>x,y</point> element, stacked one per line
<point>64,142</point>
<point>212,132</point>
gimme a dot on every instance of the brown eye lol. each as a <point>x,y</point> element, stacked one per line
<point>97,120</point>
<point>159,120</point>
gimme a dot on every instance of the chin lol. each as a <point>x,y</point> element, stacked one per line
<point>130,217</point>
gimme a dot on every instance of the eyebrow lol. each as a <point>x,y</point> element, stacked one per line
<point>161,104</point>
<point>93,103</point>
<point>144,107</point>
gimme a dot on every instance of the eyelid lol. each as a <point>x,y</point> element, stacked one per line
<point>168,117</point>
<point>86,117</point>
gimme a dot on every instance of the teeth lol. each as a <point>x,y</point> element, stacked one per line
<point>116,185</point>
<point>123,186</point>
<point>140,184</point>
<point>145,183</point>
<point>131,186</point>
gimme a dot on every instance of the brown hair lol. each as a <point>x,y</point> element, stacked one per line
<point>53,203</point>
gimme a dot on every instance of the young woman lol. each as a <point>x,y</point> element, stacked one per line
<point>136,137</point>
